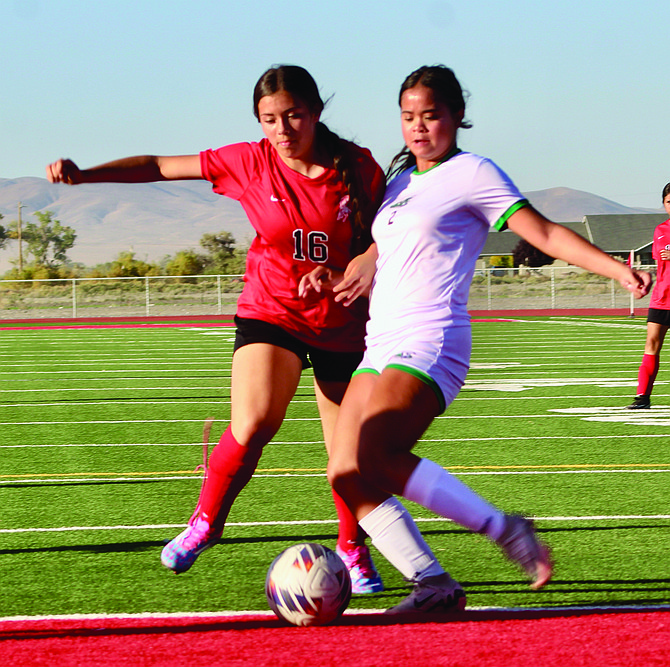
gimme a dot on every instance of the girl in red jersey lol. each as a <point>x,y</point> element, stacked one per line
<point>658,317</point>
<point>311,198</point>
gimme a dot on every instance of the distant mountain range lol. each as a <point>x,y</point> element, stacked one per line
<point>158,219</point>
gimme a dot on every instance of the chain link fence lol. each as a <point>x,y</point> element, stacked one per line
<point>551,287</point>
<point>120,297</point>
<point>492,289</point>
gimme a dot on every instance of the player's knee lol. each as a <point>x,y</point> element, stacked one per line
<point>337,472</point>
<point>255,431</point>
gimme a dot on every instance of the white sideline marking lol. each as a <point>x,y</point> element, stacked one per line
<point>289,419</point>
<point>104,356</point>
<point>594,323</point>
<point>524,384</point>
<point>225,365</point>
<point>68,480</point>
<point>98,371</point>
<point>320,442</point>
<point>55,365</point>
<point>129,363</point>
<point>348,612</point>
<point>169,444</point>
<point>316,522</point>
<point>144,421</point>
<point>56,390</point>
<point>128,401</point>
<point>65,479</point>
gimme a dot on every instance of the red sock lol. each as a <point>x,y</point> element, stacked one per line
<point>647,374</point>
<point>350,533</point>
<point>230,468</point>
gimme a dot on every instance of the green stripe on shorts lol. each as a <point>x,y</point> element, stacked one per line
<point>420,375</point>
<point>359,371</point>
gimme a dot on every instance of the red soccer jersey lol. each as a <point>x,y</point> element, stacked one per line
<point>300,223</point>
<point>660,296</point>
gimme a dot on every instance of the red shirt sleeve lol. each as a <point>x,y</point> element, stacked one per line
<point>230,169</point>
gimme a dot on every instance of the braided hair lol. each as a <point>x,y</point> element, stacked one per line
<point>298,82</point>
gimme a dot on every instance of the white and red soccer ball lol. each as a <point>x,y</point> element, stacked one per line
<point>308,584</point>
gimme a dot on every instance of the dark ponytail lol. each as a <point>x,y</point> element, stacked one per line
<point>360,218</point>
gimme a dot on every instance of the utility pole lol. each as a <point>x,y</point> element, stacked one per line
<point>18,236</point>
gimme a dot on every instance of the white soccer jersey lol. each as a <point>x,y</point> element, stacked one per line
<point>429,232</point>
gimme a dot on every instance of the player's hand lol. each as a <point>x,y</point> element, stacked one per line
<point>357,279</point>
<point>664,254</point>
<point>64,171</point>
<point>317,279</point>
<point>638,284</point>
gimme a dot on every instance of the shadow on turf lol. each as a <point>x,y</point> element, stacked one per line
<point>120,547</point>
<point>295,539</point>
<point>595,593</point>
<point>102,482</point>
<point>116,399</point>
<point>117,547</point>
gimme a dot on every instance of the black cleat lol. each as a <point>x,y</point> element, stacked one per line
<point>433,595</point>
<point>640,403</point>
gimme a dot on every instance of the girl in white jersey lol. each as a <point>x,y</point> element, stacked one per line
<point>429,232</point>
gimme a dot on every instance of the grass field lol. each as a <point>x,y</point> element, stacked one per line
<point>100,433</point>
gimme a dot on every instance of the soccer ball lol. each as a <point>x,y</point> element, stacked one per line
<point>308,584</point>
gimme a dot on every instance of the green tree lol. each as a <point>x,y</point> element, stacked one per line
<point>186,263</point>
<point>4,234</point>
<point>222,255</point>
<point>47,242</point>
<point>126,265</point>
<point>500,261</point>
<point>528,255</point>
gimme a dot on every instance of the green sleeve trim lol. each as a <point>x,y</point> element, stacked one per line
<point>424,378</point>
<point>502,220</point>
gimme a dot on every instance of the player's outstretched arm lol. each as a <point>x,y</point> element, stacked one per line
<point>137,169</point>
<point>562,243</point>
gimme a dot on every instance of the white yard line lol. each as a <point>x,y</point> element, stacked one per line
<point>315,522</point>
<point>167,477</point>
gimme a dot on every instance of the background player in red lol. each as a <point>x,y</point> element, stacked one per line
<point>311,198</point>
<point>658,318</point>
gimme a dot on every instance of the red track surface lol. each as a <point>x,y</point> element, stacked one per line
<point>549,638</point>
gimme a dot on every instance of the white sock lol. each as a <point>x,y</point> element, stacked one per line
<point>436,489</point>
<point>393,531</point>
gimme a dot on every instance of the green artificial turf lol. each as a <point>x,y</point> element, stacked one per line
<point>100,433</point>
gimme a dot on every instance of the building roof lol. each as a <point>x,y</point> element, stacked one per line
<point>614,234</point>
<point>503,243</point>
<point>617,234</point>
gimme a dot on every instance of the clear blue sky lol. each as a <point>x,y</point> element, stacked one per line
<point>563,93</point>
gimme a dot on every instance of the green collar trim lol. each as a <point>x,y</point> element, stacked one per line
<point>454,151</point>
